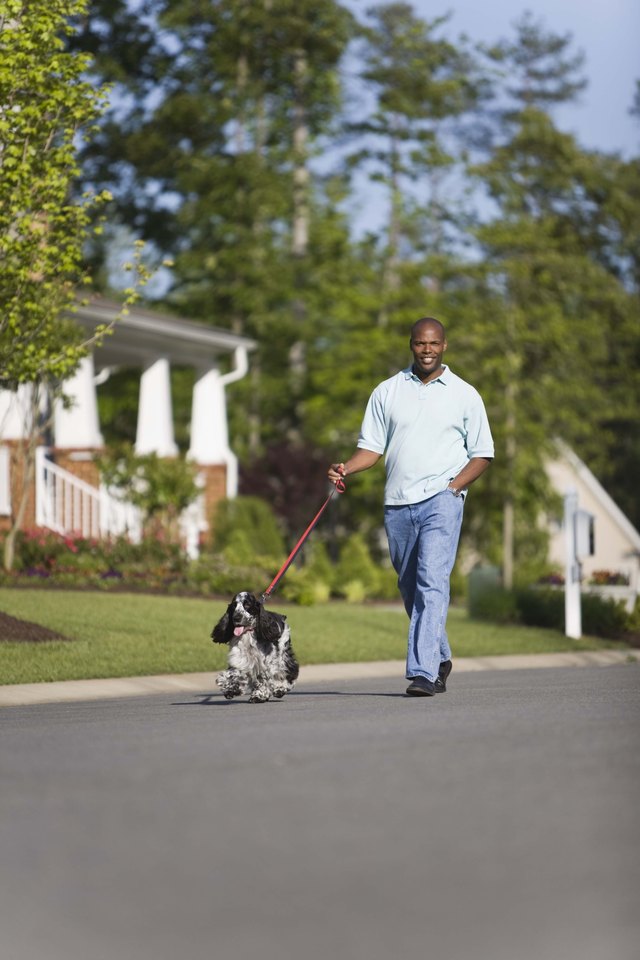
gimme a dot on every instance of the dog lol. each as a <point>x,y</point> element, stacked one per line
<point>261,660</point>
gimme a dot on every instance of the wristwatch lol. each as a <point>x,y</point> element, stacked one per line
<point>456,493</point>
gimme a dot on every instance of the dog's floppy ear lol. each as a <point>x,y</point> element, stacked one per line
<point>270,625</point>
<point>222,630</point>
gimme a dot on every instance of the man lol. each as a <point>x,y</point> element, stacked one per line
<point>432,428</point>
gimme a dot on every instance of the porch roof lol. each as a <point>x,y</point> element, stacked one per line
<point>143,335</point>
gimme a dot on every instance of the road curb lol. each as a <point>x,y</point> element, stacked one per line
<point>25,694</point>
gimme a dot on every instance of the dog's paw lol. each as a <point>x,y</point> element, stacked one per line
<point>260,695</point>
<point>229,685</point>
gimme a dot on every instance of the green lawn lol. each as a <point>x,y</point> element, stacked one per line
<point>118,635</point>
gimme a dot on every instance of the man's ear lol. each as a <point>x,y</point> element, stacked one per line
<point>445,346</point>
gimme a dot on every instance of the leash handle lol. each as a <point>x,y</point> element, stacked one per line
<point>339,487</point>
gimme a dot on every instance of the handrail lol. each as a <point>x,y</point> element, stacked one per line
<point>69,505</point>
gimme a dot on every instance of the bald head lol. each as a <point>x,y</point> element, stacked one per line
<point>431,321</point>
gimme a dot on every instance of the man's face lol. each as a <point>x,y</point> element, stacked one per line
<point>427,346</point>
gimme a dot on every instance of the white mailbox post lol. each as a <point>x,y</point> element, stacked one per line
<point>580,542</point>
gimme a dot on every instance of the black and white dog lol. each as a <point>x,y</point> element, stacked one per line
<point>261,659</point>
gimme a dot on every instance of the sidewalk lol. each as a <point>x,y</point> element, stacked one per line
<point>25,694</point>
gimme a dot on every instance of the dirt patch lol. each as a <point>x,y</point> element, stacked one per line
<point>24,631</point>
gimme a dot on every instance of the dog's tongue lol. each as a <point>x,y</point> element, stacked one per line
<point>238,631</point>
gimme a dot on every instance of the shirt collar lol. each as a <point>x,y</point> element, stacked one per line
<point>443,378</point>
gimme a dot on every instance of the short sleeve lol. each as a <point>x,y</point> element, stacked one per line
<point>479,441</point>
<point>373,432</point>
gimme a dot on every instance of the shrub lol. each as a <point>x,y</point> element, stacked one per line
<point>356,566</point>
<point>318,563</point>
<point>484,578</point>
<point>387,587</point>
<point>459,584</point>
<point>44,556</point>
<point>552,579</point>
<point>601,617</point>
<point>239,548</point>
<point>609,578</point>
<point>495,604</point>
<point>160,487</point>
<point>541,608</point>
<point>354,591</point>
<point>633,625</point>
<point>305,587</point>
<point>251,516</point>
<point>212,574</point>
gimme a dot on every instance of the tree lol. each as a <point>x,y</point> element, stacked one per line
<point>421,83</point>
<point>550,301</point>
<point>46,105</point>
<point>540,69</point>
<point>610,229</point>
<point>161,488</point>
<point>208,152</point>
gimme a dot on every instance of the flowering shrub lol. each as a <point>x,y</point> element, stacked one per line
<point>553,579</point>
<point>609,578</point>
<point>44,555</point>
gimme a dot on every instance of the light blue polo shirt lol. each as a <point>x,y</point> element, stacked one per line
<point>427,431</point>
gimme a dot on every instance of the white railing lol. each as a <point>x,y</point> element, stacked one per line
<point>67,504</point>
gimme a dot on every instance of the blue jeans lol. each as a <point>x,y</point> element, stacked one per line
<point>423,540</point>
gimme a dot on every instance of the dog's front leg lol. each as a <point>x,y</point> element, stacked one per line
<point>230,682</point>
<point>261,691</point>
<point>279,685</point>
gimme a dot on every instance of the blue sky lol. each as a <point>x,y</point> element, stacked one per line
<point>607,31</point>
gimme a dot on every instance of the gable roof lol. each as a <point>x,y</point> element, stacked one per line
<point>143,335</point>
<point>600,494</point>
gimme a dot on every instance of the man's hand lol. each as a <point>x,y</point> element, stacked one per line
<point>361,460</point>
<point>336,472</point>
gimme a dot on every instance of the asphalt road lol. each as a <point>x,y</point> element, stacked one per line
<point>498,821</point>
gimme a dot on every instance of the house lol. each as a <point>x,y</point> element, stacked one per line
<point>67,495</point>
<point>617,542</point>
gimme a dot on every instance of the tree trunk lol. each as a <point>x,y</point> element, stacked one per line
<point>508,523</point>
<point>390,270</point>
<point>299,234</point>
<point>26,451</point>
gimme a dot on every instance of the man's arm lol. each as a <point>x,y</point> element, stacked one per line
<point>469,473</point>
<point>360,460</point>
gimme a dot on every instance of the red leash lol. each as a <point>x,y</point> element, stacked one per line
<point>340,487</point>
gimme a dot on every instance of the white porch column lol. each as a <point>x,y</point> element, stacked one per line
<point>15,413</point>
<point>78,426</point>
<point>155,414</point>
<point>209,430</point>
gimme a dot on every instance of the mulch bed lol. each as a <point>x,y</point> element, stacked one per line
<point>24,631</point>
